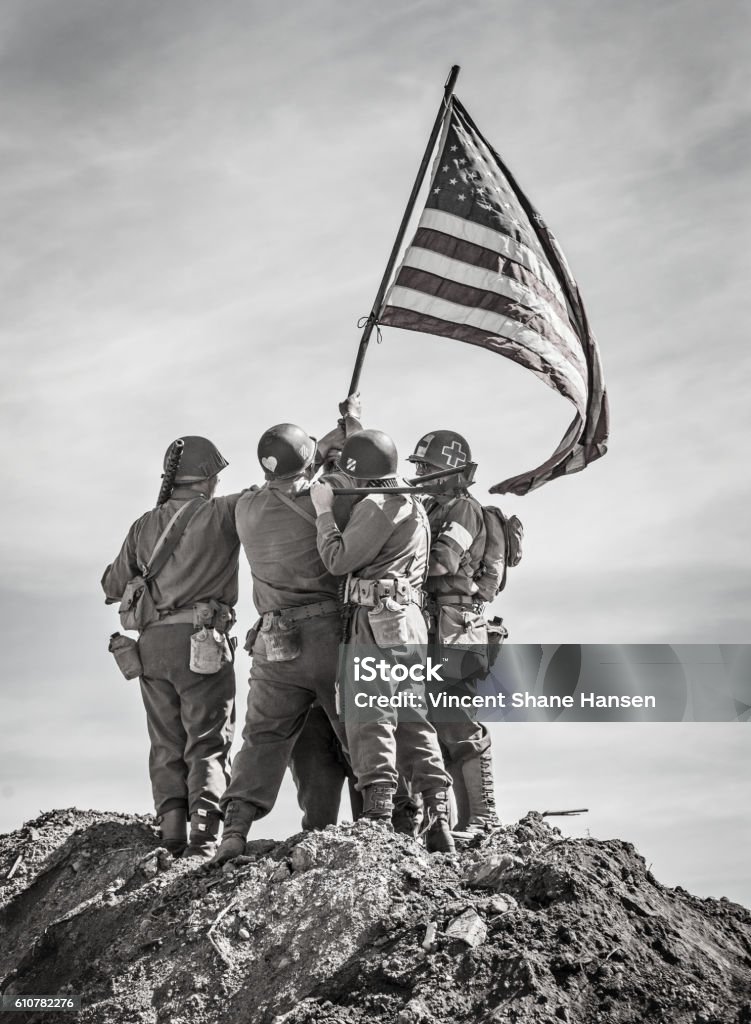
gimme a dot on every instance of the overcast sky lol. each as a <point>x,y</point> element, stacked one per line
<point>197,203</point>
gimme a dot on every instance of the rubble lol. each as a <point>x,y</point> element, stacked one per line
<point>357,924</point>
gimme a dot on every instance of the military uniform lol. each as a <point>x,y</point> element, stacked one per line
<point>190,717</point>
<point>385,540</point>
<point>458,628</point>
<point>291,584</point>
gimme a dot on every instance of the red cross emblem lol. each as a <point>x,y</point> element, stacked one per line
<point>454,454</point>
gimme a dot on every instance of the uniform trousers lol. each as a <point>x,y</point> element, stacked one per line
<point>281,693</point>
<point>393,738</point>
<point>190,719</point>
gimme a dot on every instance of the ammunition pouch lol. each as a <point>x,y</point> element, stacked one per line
<point>127,656</point>
<point>213,615</point>
<point>137,608</point>
<point>370,593</point>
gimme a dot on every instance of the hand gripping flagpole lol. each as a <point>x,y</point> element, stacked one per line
<point>376,310</point>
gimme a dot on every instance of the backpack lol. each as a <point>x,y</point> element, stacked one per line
<point>503,550</point>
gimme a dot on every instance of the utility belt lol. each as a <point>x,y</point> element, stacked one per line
<point>281,634</point>
<point>388,603</point>
<point>208,614</point>
<point>210,646</point>
<point>370,593</point>
<point>304,611</point>
<point>454,601</point>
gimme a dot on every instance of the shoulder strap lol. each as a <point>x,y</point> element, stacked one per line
<point>169,537</point>
<point>290,503</point>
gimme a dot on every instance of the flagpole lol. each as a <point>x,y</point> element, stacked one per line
<point>376,310</point>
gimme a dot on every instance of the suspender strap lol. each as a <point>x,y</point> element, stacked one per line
<point>171,534</point>
<point>290,503</point>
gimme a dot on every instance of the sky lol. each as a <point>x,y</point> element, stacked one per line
<point>197,204</point>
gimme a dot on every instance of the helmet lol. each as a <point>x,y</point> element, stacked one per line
<point>443,449</point>
<point>369,455</point>
<point>285,450</point>
<point>200,460</point>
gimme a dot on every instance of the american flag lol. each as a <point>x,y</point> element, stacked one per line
<point>484,268</point>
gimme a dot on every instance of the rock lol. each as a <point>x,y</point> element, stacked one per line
<point>304,857</point>
<point>502,904</point>
<point>429,942</point>
<point>243,934</point>
<point>149,867</point>
<point>414,1012</point>
<point>165,860</point>
<point>488,871</point>
<point>469,928</point>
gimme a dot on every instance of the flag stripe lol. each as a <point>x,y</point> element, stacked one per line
<point>486,259</point>
<point>467,230</point>
<point>413,320</point>
<point>517,301</point>
<point>490,301</point>
<point>549,359</point>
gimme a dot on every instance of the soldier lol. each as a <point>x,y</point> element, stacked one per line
<point>190,715</point>
<point>296,647</point>
<point>386,544</point>
<point>456,614</point>
<point>318,764</point>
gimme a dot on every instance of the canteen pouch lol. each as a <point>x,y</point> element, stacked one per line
<point>282,639</point>
<point>390,624</point>
<point>462,642</point>
<point>207,651</point>
<point>137,608</point>
<point>125,651</point>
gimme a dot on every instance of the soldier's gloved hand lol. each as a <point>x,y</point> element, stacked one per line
<point>322,497</point>
<point>352,406</point>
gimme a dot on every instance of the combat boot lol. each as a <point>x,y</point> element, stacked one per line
<point>378,802</point>
<point>173,830</point>
<point>478,778</point>
<point>238,819</point>
<point>438,838</point>
<point>407,814</point>
<point>204,829</point>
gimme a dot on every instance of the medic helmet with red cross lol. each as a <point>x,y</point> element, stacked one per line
<point>442,449</point>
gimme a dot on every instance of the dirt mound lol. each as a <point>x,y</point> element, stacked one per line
<point>355,924</point>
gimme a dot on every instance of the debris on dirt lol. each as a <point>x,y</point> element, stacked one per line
<point>359,925</point>
<point>16,864</point>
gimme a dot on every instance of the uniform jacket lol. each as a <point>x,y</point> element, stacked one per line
<point>457,532</point>
<point>387,537</point>
<point>204,564</point>
<point>280,545</point>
